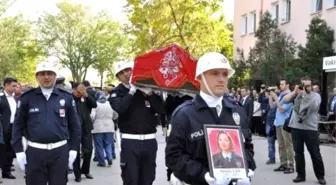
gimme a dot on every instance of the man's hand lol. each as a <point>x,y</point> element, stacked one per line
<point>22,160</point>
<point>82,90</point>
<point>273,95</point>
<point>72,157</point>
<point>219,181</point>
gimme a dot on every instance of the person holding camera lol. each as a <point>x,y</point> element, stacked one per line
<point>284,138</point>
<point>304,129</point>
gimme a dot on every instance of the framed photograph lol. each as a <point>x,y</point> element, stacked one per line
<point>226,154</point>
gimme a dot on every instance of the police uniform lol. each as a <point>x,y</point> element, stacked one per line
<point>186,152</point>
<point>47,125</point>
<point>137,125</point>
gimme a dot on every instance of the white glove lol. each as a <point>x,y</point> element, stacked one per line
<point>132,89</point>
<point>72,157</point>
<point>219,181</point>
<point>146,90</point>
<point>175,181</point>
<point>246,181</point>
<point>22,160</point>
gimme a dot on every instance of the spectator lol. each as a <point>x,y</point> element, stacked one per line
<point>104,129</point>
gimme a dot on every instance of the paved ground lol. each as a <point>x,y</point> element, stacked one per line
<point>264,175</point>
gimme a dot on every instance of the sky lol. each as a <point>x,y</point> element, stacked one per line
<point>32,9</point>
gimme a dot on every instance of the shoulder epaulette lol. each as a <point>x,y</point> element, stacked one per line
<point>184,104</point>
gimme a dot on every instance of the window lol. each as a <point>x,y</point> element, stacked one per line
<point>331,3</point>
<point>243,24</point>
<point>252,22</point>
<point>275,12</point>
<point>316,5</point>
<point>286,14</point>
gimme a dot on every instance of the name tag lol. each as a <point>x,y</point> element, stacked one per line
<point>34,110</point>
<point>147,104</point>
<point>62,112</point>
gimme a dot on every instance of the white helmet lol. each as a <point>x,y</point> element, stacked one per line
<point>120,66</point>
<point>45,66</point>
<point>213,60</point>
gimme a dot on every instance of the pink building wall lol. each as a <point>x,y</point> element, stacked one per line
<point>301,14</point>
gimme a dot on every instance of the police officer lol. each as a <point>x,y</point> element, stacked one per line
<point>137,125</point>
<point>186,153</point>
<point>48,118</point>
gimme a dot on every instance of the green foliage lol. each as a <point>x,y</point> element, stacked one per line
<point>79,39</point>
<point>190,23</point>
<point>273,54</point>
<point>19,50</point>
<point>320,38</point>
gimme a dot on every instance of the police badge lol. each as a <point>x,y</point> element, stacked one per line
<point>236,118</point>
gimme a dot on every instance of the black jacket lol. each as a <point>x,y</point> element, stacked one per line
<point>136,112</point>
<point>186,153</point>
<point>220,162</point>
<point>248,107</point>
<point>84,107</point>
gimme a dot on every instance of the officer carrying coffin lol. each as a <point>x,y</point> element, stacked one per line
<point>137,125</point>
<point>47,117</point>
<point>186,153</point>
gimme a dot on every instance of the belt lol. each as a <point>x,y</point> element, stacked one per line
<point>48,146</point>
<point>138,136</point>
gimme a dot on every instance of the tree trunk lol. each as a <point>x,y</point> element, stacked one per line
<point>101,80</point>
<point>76,77</point>
<point>85,72</point>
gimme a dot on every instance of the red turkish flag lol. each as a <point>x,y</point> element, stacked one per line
<point>170,67</point>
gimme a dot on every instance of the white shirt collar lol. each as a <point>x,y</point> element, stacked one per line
<point>8,95</point>
<point>127,85</point>
<point>229,155</point>
<point>211,101</point>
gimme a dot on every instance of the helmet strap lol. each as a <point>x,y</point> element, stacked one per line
<point>207,86</point>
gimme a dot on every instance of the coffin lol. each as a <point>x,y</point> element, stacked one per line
<point>171,69</point>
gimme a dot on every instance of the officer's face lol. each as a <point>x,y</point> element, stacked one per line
<point>217,80</point>
<point>46,79</point>
<point>125,75</point>
<point>224,142</point>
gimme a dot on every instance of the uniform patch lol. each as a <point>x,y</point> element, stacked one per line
<point>62,112</point>
<point>147,104</point>
<point>62,102</point>
<point>18,104</point>
<point>73,103</point>
<point>113,95</point>
<point>236,118</point>
<point>34,110</point>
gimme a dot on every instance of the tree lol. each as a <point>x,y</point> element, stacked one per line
<point>190,23</point>
<point>19,50</point>
<point>320,38</point>
<point>79,39</point>
<point>271,57</point>
<point>108,47</point>
<point>4,5</point>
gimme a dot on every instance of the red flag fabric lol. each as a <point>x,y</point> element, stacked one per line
<point>170,67</point>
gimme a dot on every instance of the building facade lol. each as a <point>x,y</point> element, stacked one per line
<point>293,17</point>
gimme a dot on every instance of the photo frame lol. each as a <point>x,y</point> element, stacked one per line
<point>226,152</point>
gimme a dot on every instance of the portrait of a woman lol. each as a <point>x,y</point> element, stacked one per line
<point>226,158</point>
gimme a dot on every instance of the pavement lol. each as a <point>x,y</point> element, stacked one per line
<point>264,174</point>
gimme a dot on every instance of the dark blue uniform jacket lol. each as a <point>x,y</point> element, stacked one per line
<point>136,112</point>
<point>186,153</point>
<point>43,121</point>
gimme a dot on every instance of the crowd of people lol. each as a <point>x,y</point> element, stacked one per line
<point>54,129</point>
